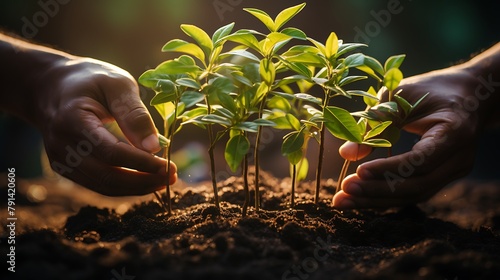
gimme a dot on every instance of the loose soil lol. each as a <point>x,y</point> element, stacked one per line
<point>77,234</point>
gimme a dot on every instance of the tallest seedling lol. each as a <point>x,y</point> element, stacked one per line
<point>267,49</point>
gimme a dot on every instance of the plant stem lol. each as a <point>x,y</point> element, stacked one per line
<point>320,164</point>
<point>211,156</point>
<point>319,170</point>
<point>342,175</point>
<point>256,156</point>
<point>160,200</point>
<point>166,154</point>
<point>245,187</point>
<point>294,176</point>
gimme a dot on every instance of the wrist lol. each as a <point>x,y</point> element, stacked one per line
<point>484,94</point>
<point>23,72</point>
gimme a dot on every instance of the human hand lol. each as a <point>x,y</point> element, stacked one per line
<point>449,121</point>
<point>73,100</point>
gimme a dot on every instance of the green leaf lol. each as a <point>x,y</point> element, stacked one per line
<point>351,79</point>
<point>227,102</point>
<point>221,33</point>
<point>392,78</point>
<point>394,62</point>
<point>272,41</point>
<point>191,98</point>
<point>370,72</point>
<point>263,17</point>
<point>403,104</point>
<point>294,158</point>
<point>321,48</point>
<point>297,67</point>
<point>188,82</point>
<point>200,36</point>
<point>362,93</point>
<point>306,57</point>
<point>308,98</point>
<point>341,124</point>
<point>377,143</point>
<point>221,111</point>
<point>150,78</point>
<point>332,45</point>
<point>218,85</point>
<point>377,130</point>
<point>264,122</point>
<point>354,60</point>
<point>241,53</point>
<point>280,103</point>
<point>246,39</point>
<point>196,112</point>
<point>182,65</point>
<point>261,91</point>
<point>177,45</point>
<point>372,67</point>
<point>293,121</point>
<point>267,71</point>
<point>292,142</point>
<point>286,15</point>
<point>302,169</point>
<point>247,126</point>
<point>165,109</point>
<point>215,119</point>
<point>236,149</point>
<point>163,97</point>
<point>164,142</point>
<point>345,48</point>
<point>238,76</point>
<point>418,101</point>
<point>300,49</point>
<point>372,101</point>
<point>281,121</point>
<point>294,33</point>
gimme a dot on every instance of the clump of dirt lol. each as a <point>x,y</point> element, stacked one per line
<point>308,242</point>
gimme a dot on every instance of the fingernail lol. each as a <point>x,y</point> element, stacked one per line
<point>365,174</point>
<point>354,189</point>
<point>151,143</point>
<point>345,204</point>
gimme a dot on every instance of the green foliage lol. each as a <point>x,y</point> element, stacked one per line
<point>258,83</point>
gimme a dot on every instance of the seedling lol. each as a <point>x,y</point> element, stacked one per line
<point>255,85</point>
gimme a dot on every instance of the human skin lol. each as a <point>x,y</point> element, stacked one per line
<point>462,101</point>
<point>69,99</point>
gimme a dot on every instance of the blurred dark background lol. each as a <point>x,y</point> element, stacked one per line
<point>130,34</point>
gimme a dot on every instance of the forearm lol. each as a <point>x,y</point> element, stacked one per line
<point>485,67</point>
<point>21,72</point>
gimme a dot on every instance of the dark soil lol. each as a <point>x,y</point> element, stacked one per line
<point>454,236</point>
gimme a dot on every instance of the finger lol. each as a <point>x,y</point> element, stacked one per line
<point>436,146</point>
<point>117,181</point>
<point>103,178</point>
<point>404,186</point>
<point>343,200</point>
<point>88,136</point>
<point>130,113</point>
<point>353,151</point>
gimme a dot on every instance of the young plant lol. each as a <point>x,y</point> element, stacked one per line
<point>295,143</point>
<point>380,123</point>
<point>267,48</point>
<point>332,76</point>
<point>167,102</point>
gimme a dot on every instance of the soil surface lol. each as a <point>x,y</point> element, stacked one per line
<point>72,233</point>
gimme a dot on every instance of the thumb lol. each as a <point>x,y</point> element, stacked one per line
<point>132,116</point>
<point>354,151</point>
